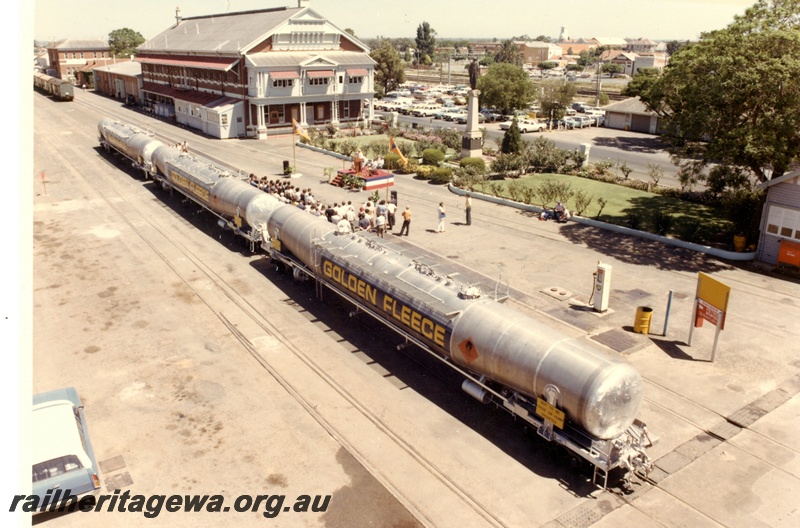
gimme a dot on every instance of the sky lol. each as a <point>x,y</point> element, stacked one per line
<point>654,19</point>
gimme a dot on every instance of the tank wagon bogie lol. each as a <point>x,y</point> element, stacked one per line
<point>571,392</point>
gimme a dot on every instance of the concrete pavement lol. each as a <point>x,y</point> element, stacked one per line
<point>729,431</point>
<point>728,439</point>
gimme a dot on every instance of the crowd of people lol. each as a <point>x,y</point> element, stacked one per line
<point>378,217</point>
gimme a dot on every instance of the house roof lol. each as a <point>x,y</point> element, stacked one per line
<point>641,42</point>
<point>795,174</point>
<point>211,63</point>
<point>213,33</point>
<point>611,41</point>
<point>80,44</point>
<point>231,33</point>
<point>192,96</point>
<point>129,68</point>
<point>629,106</point>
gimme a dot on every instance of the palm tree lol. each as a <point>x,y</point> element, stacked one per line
<point>509,52</point>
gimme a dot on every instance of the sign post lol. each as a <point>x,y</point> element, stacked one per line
<point>710,304</point>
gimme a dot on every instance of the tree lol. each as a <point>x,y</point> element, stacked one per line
<point>506,87</point>
<point>612,68</point>
<point>426,41</point>
<point>389,72</point>
<point>512,139</point>
<point>733,98</point>
<point>555,96</point>
<point>641,81</point>
<point>675,45</point>
<point>542,38</point>
<point>585,58</point>
<point>510,53</point>
<point>350,31</point>
<point>123,42</point>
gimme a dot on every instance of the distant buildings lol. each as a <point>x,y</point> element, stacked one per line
<point>631,54</point>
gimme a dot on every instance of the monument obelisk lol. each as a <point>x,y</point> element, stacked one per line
<point>472,139</point>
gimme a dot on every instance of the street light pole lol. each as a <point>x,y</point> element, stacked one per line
<point>597,99</point>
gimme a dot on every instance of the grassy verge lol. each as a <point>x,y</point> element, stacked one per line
<point>632,208</point>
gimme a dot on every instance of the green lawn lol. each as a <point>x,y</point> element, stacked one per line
<point>634,208</point>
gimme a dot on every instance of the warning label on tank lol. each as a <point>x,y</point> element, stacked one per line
<point>550,413</point>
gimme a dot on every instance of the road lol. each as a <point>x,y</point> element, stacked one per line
<point>639,151</point>
<point>204,370</point>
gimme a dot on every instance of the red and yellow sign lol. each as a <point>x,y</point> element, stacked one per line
<point>468,350</point>
<point>712,301</point>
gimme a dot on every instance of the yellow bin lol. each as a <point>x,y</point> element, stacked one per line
<point>641,324</point>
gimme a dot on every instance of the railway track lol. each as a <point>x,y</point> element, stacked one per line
<point>135,216</point>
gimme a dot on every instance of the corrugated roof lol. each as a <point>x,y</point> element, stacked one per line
<point>223,33</point>
<point>288,58</point>
<point>191,96</point>
<point>130,68</point>
<point>211,63</point>
<point>81,44</point>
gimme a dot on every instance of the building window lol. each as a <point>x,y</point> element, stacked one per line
<point>356,80</point>
<point>320,112</point>
<point>224,118</point>
<point>282,83</point>
<point>82,55</point>
<point>318,81</point>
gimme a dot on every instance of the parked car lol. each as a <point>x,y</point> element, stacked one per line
<point>63,458</point>
<point>462,118</point>
<point>526,125</point>
<point>424,110</point>
<point>491,116</point>
<point>454,113</point>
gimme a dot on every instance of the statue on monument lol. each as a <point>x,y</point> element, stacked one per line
<point>474,73</point>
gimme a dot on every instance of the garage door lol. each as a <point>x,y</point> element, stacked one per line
<point>615,120</point>
<point>640,123</point>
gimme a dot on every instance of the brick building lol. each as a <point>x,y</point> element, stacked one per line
<point>250,73</point>
<point>122,80</point>
<point>68,59</point>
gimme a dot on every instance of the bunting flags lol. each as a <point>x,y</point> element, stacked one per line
<point>299,130</point>
<point>393,148</point>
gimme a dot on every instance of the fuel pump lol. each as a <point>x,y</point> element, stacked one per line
<point>602,287</point>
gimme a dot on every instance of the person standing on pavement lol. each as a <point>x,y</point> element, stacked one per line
<point>468,208</point>
<point>406,221</point>
<point>391,207</point>
<point>442,216</point>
